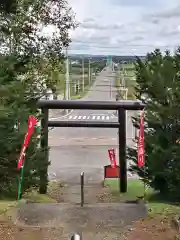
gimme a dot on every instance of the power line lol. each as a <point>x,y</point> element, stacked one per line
<point>119,45</point>
<point>133,49</point>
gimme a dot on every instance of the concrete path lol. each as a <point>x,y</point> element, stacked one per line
<point>101,217</point>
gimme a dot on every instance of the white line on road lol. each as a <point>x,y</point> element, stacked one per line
<point>93,117</point>
<point>61,117</point>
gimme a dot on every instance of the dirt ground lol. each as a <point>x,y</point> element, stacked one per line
<point>154,228</point>
<point>150,229</point>
<point>93,193</point>
<point>146,228</point>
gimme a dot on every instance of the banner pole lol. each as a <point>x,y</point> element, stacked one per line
<point>32,121</point>
<point>144,185</point>
<point>141,151</point>
<point>20,182</point>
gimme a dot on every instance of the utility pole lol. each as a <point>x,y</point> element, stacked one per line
<point>89,72</point>
<point>67,93</point>
<point>110,90</point>
<point>121,75</point>
<point>123,81</point>
<point>83,74</point>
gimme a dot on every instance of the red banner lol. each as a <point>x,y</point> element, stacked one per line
<point>140,146</point>
<point>112,157</point>
<point>32,121</point>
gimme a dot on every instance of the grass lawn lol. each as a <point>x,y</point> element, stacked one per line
<point>128,65</point>
<point>130,80</point>
<point>35,197</point>
<point>117,82</point>
<point>130,84</point>
<point>75,77</point>
<point>158,224</point>
<point>61,84</point>
<point>5,205</point>
<point>78,70</point>
<point>155,203</point>
<point>135,189</point>
<point>32,196</point>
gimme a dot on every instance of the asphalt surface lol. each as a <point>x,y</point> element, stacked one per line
<point>73,150</point>
<point>94,221</point>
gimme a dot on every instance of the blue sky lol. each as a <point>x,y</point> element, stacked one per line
<point>125,26</point>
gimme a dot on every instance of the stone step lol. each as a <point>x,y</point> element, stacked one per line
<point>61,221</point>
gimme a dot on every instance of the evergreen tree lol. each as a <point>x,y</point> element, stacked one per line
<point>22,47</point>
<point>18,101</point>
<point>158,85</point>
<point>8,6</point>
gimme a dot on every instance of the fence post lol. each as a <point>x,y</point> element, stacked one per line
<point>82,189</point>
<point>44,149</point>
<point>122,150</point>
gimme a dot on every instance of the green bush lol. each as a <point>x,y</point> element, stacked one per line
<point>18,101</point>
<point>158,85</point>
<point>29,64</point>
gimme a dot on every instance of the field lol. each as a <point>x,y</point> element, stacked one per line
<point>76,80</point>
<point>126,78</point>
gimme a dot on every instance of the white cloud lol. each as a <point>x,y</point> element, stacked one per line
<point>122,27</point>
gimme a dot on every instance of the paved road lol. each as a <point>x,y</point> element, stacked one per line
<point>73,150</point>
